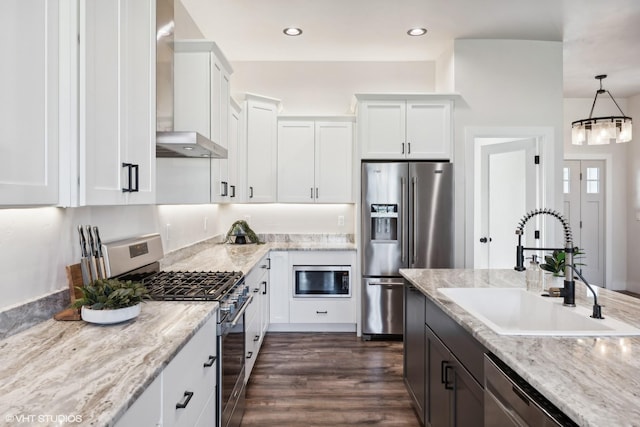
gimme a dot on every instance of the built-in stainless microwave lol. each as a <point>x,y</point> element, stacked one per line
<point>321,281</point>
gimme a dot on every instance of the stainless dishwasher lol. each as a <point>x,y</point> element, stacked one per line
<point>510,401</point>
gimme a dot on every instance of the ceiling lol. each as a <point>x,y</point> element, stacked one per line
<point>599,36</point>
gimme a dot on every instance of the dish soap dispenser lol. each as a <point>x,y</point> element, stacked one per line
<point>534,275</point>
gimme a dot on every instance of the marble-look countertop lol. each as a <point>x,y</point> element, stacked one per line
<point>228,257</point>
<point>595,381</point>
<point>76,369</point>
<point>91,373</point>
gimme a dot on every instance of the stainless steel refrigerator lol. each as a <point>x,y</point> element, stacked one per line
<point>407,222</point>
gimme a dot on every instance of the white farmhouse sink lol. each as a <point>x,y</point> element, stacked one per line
<point>515,311</point>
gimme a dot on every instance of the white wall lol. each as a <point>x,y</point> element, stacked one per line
<point>503,83</point>
<point>290,218</point>
<point>633,199</point>
<point>328,87</point>
<point>36,244</point>
<point>578,108</point>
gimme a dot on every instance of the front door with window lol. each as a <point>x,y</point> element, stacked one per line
<point>584,198</point>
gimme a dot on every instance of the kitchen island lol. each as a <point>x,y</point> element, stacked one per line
<point>594,381</point>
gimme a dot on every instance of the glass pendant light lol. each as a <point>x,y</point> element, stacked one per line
<point>601,130</point>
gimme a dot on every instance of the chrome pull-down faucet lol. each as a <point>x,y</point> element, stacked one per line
<point>569,268</point>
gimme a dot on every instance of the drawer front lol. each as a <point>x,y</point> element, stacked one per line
<point>253,339</point>
<point>190,378</point>
<point>322,311</point>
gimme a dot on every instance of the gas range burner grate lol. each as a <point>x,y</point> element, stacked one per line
<point>191,285</point>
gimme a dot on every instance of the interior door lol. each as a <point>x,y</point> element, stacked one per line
<point>507,188</point>
<point>584,200</point>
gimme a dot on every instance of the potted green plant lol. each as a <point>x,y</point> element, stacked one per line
<point>107,301</point>
<point>555,262</point>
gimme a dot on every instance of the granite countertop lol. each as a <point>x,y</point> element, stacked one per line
<point>94,373</point>
<point>228,257</point>
<point>91,373</point>
<point>595,381</point>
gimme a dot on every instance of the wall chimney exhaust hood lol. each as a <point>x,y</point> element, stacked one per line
<point>169,142</point>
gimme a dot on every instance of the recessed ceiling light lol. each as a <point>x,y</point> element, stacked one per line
<point>292,31</point>
<point>417,31</point>
<point>188,148</point>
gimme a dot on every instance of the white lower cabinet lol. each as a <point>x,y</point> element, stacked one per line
<point>190,379</point>
<point>323,310</point>
<point>257,314</point>
<point>291,313</point>
<point>184,394</point>
<point>280,290</point>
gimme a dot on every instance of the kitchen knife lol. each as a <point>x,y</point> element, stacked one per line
<point>84,261</point>
<point>92,254</point>
<point>102,268</point>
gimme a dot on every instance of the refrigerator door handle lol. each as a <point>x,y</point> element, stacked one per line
<point>404,206</point>
<point>414,193</point>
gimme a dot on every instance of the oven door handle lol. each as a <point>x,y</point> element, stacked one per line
<point>237,317</point>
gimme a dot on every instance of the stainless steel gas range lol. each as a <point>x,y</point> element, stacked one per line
<point>138,259</point>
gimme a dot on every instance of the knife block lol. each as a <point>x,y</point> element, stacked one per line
<point>74,278</point>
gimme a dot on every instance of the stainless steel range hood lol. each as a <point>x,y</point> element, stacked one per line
<point>169,141</point>
<point>187,144</point>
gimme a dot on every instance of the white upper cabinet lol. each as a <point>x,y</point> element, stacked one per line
<point>29,85</point>
<point>201,96</point>
<point>117,102</point>
<point>296,154</point>
<point>334,161</point>
<point>261,121</point>
<point>399,128</point>
<point>315,160</point>
<point>235,136</point>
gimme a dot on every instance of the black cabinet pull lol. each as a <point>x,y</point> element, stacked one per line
<point>264,292</point>
<point>209,363</point>
<point>402,148</point>
<point>136,170</point>
<point>444,374</point>
<point>250,355</point>
<point>127,189</point>
<point>233,191</point>
<point>256,338</point>
<point>185,400</point>
<point>408,148</point>
<point>256,290</point>
<point>251,192</point>
<point>322,312</point>
<point>224,189</point>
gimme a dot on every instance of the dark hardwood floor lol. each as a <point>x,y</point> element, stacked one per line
<point>327,379</point>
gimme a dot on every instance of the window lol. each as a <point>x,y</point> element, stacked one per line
<point>593,180</point>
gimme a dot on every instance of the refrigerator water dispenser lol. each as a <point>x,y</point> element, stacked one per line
<point>384,222</point>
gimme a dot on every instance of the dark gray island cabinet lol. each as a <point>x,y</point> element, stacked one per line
<point>443,365</point>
